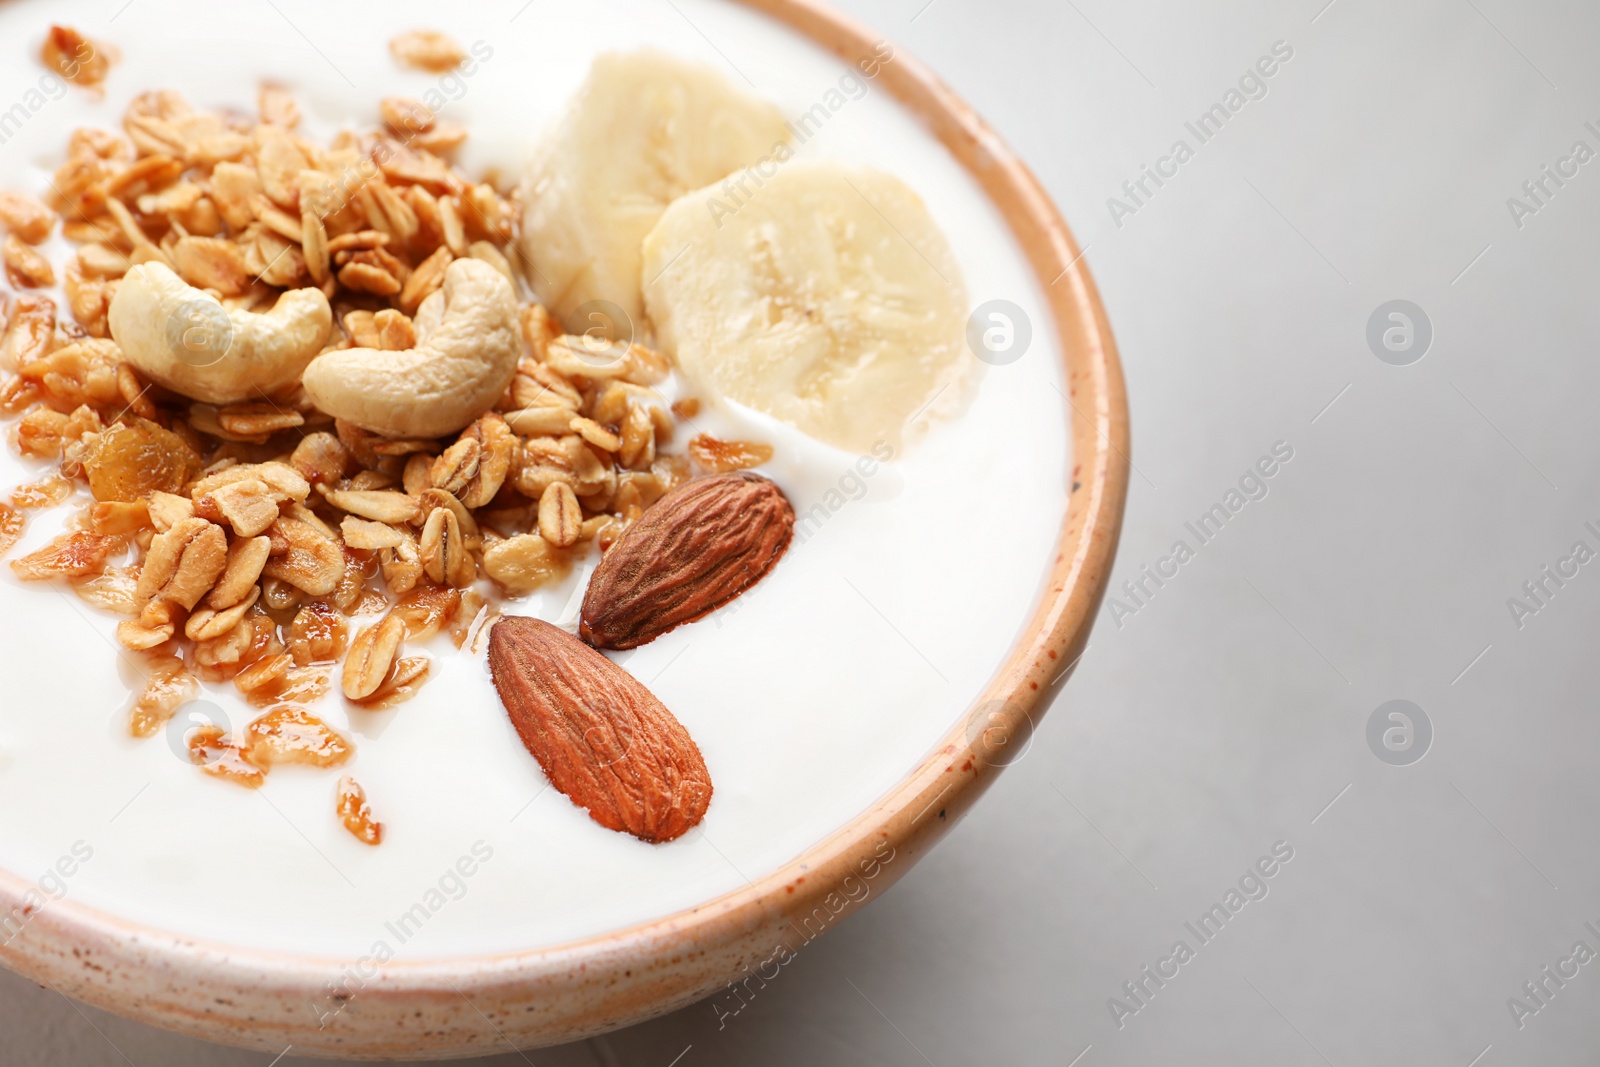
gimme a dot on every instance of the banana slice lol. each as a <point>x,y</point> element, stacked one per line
<point>827,298</point>
<point>644,129</point>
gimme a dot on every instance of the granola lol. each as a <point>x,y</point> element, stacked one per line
<point>262,543</point>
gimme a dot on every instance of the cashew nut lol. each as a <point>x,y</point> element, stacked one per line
<point>466,354</point>
<point>182,338</point>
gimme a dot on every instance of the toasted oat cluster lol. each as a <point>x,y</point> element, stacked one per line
<point>264,543</point>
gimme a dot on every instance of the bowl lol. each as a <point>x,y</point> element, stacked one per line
<point>477,1003</point>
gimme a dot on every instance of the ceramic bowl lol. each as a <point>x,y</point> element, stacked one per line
<point>476,1005</point>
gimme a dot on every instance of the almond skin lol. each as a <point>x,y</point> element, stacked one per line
<point>602,738</point>
<point>697,548</point>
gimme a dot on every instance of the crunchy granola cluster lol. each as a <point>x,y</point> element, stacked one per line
<point>263,543</point>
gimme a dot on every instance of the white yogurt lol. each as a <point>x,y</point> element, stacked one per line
<point>810,697</point>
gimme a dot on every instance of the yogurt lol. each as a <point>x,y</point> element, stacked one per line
<point>810,697</point>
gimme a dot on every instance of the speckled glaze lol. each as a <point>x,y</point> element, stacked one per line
<point>479,1005</point>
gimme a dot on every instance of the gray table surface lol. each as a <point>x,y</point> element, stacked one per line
<point>1227,710</point>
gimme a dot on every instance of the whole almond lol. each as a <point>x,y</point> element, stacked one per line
<point>697,548</point>
<point>602,738</point>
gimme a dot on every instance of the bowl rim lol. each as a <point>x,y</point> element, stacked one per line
<point>479,1004</point>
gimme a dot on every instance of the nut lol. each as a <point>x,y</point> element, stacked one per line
<point>602,738</point>
<point>183,339</point>
<point>466,354</point>
<point>700,546</point>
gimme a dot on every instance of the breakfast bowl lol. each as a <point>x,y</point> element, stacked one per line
<point>883,566</point>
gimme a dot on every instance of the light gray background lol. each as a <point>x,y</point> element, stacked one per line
<point>1229,712</point>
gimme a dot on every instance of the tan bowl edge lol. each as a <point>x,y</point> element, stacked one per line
<point>482,1005</point>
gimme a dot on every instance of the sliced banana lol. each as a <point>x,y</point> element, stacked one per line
<point>827,298</point>
<point>644,129</point>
